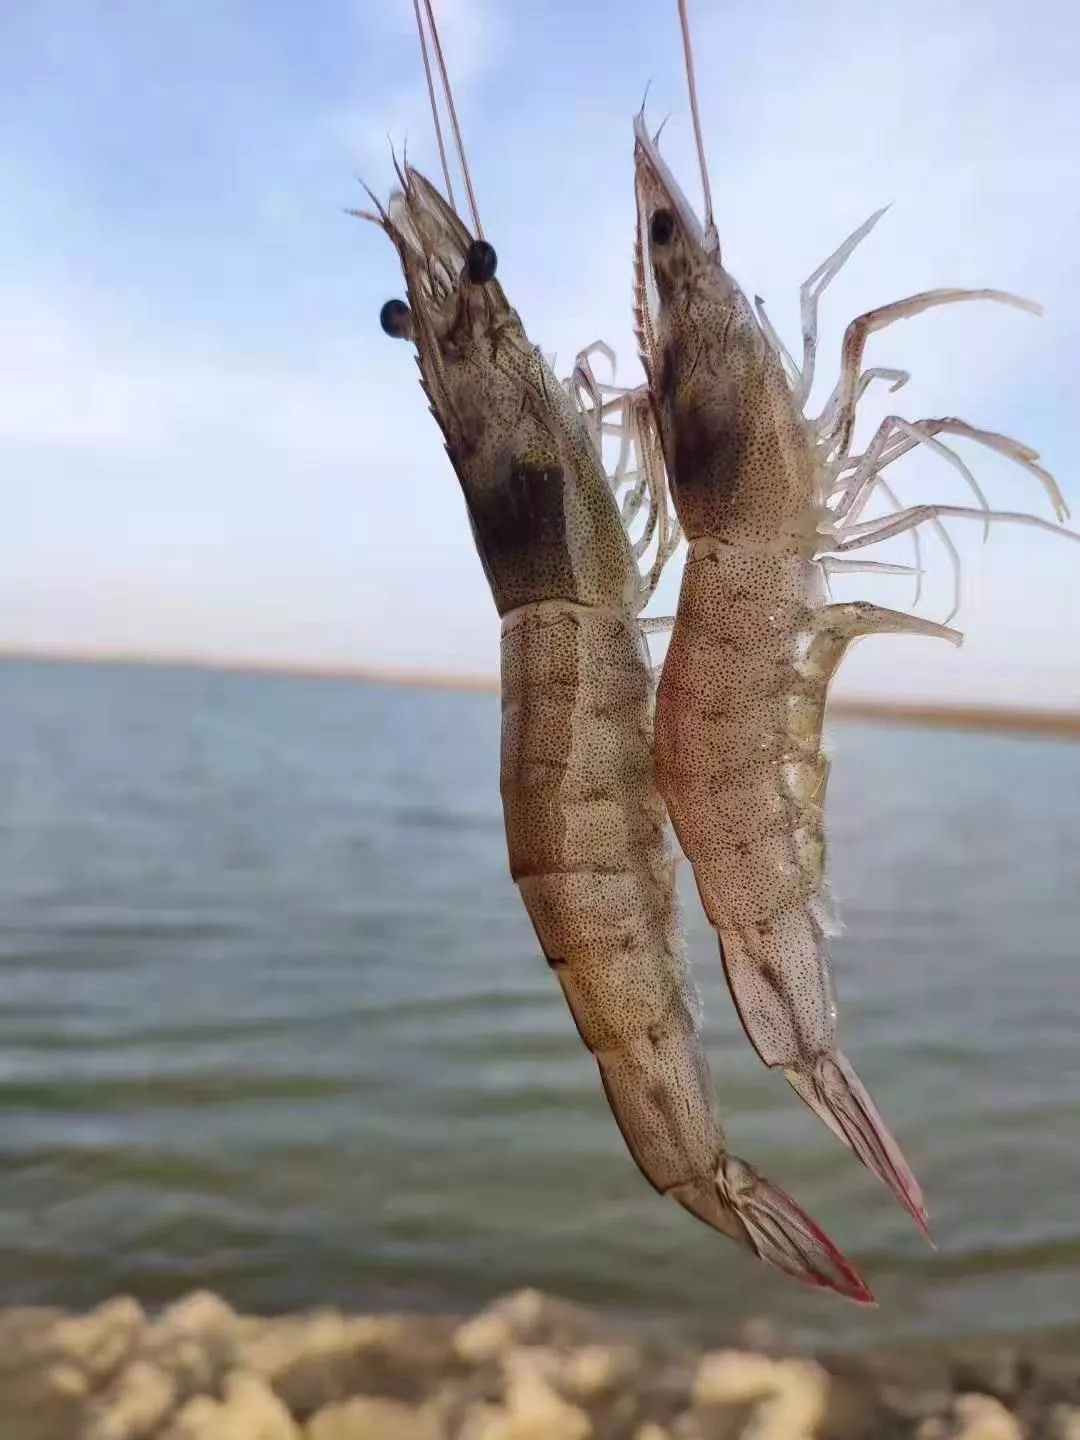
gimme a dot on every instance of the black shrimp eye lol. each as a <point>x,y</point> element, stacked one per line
<point>395,317</point>
<point>481,262</point>
<point>662,227</point>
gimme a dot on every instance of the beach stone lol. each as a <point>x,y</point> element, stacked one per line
<point>533,1409</point>
<point>596,1370</point>
<point>974,1417</point>
<point>100,1341</point>
<point>248,1410</point>
<point>398,1358</point>
<point>789,1396</point>
<point>525,1318</point>
<point>196,1315</point>
<point>199,1419</point>
<point>270,1347</point>
<point>66,1381</point>
<point>195,1341</point>
<point>483,1338</point>
<point>134,1405</point>
<point>364,1418</point>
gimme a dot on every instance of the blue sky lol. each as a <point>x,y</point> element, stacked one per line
<point>207,444</point>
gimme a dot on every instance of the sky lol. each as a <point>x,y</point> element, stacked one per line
<point>208,446</point>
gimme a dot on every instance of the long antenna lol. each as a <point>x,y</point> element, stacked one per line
<point>684,21</point>
<point>434,106</point>
<point>453,118</point>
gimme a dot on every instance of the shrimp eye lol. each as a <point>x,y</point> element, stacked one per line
<point>662,227</point>
<point>481,262</point>
<point>395,317</point>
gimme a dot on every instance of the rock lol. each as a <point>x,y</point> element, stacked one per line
<point>789,1396</point>
<point>533,1409</point>
<point>196,1367</point>
<point>195,1341</point>
<point>597,1369</point>
<point>526,1363</point>
<point>369,1419</point>
<point>483,1338</point>
<point>99,1342</point>
<point>401,1359</point>
<point>1064,1423</point>
<point>524,1318</point>
<point>199,1419</point>
<point>134,1405</point>
<point>270,1347</point>
<point>732,1377</point>
<point>196,1316</point>
<point>974,1417</point>
<point>248,1410</point>
<point>66,1381</point>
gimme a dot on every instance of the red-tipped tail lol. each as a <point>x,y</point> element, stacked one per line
<point>783,1235</point>
<point>835,1093</point>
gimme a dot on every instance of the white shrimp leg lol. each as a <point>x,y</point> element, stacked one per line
<point>862,327</point>
<point>834,565</point>
<point>869,532</point>
<point>810,294</point>
<point>878,455</point>
<point>856,491</point>
<point>897,378</point>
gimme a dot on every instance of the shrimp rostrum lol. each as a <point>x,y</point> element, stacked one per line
<point>769,501</point>
<point>585,826</point>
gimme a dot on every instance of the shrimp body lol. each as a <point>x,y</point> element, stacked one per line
<point>585,825</point>
<point>763,494</point>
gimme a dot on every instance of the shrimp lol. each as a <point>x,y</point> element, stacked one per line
<point>585,827</point>
<point>768,501</point>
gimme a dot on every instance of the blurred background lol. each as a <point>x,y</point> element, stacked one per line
<point>274,1020</point>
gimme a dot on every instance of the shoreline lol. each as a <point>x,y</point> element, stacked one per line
<point>527,1367</point>
<point>929,714</point>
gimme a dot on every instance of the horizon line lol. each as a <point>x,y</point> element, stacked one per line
<point>960,715</point>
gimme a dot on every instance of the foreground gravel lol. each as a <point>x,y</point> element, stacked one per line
<point>527,1368</point>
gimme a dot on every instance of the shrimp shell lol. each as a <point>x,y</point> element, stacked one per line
<point>585,825</point>
<point>763,495</point>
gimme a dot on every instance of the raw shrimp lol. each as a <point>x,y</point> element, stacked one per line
<point>585,826</point>
<point>768,502</point>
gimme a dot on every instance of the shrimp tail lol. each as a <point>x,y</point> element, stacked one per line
<point>836,1095</point>
<point>773,1227</point>
<point>800,1040</point>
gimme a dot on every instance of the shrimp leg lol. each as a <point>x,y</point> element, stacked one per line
<point>862,327</point>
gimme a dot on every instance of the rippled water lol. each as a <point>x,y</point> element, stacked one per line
<point>272,1020</point>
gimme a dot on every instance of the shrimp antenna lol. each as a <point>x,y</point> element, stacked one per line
<point>434,105</point>
<point>688,51</point>
<point>453,117</point>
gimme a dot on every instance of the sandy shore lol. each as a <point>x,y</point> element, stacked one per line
<point>528,1368</point>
